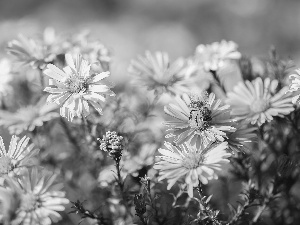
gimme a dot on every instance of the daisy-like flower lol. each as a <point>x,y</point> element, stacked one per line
<point>18,156</point>
<point>239,138</point>
<point>193,164</point>
<point>5,78</point>
<point>214,56</point>
<point>199,119</point>
<point>295,85</point>
<point>40,198</point>
<point>35,52</point>
<point>156,72</point>
<point>76,88</point>
<point>258,101</point>
<point>29,117</point>
<point>91,50</point>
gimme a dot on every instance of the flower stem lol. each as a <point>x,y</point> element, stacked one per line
<point>120,181</point>
<point>143,219</point>
<point>121,186</point>
<point>205,208</point>
<point>72,139</point>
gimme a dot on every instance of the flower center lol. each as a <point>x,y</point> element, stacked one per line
<point>259,105</point>
<point>200,115</point>
<point>192,160</point>
<point>76,84</point>
<point>5,165</point>
<point>29,202</point>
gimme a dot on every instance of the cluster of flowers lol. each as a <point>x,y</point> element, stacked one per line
<point>204,129</point>
<point>28,192</point>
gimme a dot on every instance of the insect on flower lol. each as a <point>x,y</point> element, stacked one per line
<point>199,119</point>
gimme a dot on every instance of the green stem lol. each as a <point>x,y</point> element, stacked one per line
<point>72,139</point>
<point>121,186</point>
<point>205,206</point>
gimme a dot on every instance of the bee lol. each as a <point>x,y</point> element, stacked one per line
<point>200,114</point>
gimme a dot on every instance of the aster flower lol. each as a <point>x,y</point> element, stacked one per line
<point>76,88</point>
<point>19,155</point>
<point>156,72</point>
<point>28,117</point>
<point>258,101</point>
<point>91,50</point>
<point>240,137</point>
<point>199,119</point>
<point>295,85</point>
<point>41,199</point>
<point>212,57</point>
<point>193,164</point>
<point>35,52</point>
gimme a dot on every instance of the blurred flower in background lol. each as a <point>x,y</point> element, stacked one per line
<point>214,56</point>
<point>40,198</point>
<point>156,72</point>
<point>18,155</point>
<point>5,79</point>
<point>35,52</point>
<point>28,117</point>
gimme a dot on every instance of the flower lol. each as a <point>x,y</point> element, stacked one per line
<point>212,57</point>
<point>28,117</point>
<point>258,101</point>
<point>295,85</point>
<point>112,143</point>
<point>19,155</point>
<point>91,50</point>
<point>5,78</point>
<point>242,135</point>
<point>40,198</point>
<point>199,119</point>
<point>193,164</point>
<point>76,88</point>
<point>36,52</point>
<point>156,72</point>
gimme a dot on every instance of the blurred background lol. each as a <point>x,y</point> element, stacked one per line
<point>130,27</point>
